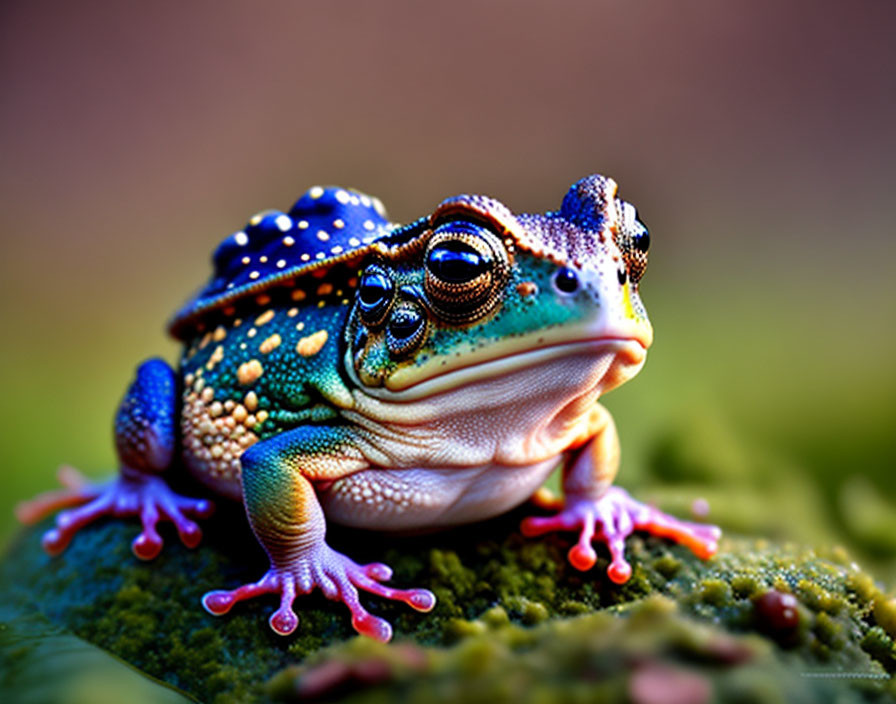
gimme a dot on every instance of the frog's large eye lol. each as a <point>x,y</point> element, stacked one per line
<point>633,241</point>
<point>375,293</point>
<point>636,253</point>
<point>455,262</point>
<point>466,265</point>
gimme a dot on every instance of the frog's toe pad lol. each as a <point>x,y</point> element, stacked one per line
<point>338,577</point>
<point>611,519</point>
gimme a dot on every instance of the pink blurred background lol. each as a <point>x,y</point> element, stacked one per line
<point>757,139</point>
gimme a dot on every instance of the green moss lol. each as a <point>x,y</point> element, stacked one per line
<point>506,605</point>
<point>715,592</point>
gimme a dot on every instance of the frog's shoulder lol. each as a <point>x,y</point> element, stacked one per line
<point>326,226</point>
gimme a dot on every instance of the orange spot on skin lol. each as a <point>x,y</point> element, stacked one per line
<point>216,357</point>
<point>219,334</point>
<point>264,318</point>
<point>298,295</point>
<point>325,289</point>
<point>270,344</point>
<point>526,288</point>
<point>263,299</point>
<point>251,401</point>
<point>312,344</point>
<point>249,372</point>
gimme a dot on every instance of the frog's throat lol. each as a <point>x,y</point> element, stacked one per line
<point>628,358</point>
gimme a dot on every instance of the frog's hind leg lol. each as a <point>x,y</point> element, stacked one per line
<point>145,438</point>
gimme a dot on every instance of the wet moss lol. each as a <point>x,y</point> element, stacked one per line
<point>506,605</point>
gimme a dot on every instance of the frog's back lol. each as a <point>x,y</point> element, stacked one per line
<point>257,373</point>
<point>263,335</point>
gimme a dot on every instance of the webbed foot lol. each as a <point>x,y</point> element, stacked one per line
<point>611,519</point>
<point>142,495</point>
<point>338,577</point>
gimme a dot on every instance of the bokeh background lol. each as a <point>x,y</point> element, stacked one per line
<point>758,140</point>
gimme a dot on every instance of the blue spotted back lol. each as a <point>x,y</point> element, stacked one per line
<point>325,226</point>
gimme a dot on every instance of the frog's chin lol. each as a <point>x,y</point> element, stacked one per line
<point>410,384</point>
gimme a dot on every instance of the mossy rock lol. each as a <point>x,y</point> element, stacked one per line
<point>761,622</point>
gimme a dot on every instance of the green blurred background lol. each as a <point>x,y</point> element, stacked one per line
<point>756,138</point>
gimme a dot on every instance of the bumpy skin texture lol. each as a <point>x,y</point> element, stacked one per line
<point>391,378</point>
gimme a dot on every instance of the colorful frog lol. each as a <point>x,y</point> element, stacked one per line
<point>337,367</point>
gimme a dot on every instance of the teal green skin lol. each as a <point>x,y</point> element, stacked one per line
<point>293,389</point>
<point>516,316</point>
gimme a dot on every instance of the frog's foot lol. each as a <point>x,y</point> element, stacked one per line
<point>338,577</point>
<point>146,496</point>
<point>611,519</point>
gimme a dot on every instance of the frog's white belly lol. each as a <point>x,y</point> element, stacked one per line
<point>410,499</point>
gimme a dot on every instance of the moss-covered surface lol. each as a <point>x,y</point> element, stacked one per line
<point>514,621</point>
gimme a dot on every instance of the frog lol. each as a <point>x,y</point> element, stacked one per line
<point>395,378</point>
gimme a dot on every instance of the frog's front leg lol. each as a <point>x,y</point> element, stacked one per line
<point>598,510</point>
<point>278,477</point>
<point>145,438</point>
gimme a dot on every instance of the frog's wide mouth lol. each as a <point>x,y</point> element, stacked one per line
<point>412,384</point>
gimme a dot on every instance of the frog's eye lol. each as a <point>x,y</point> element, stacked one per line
<point>455,262</point>
<point>466,265</point>
<point>636,253</point>
<point>634,243</point>
<point>375,292</point>
<point>641,240</point>
<point>566,280</point>
<point>406,329</point>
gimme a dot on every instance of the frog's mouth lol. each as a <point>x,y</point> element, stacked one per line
<point>505,358</point>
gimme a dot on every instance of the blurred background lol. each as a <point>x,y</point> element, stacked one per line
<point>757,139</point>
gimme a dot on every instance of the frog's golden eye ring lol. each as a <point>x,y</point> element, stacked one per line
<point>466,265</point>
<point>375,294</point>
<point>406,329</point>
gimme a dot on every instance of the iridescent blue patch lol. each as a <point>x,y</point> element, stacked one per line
<point>325,226</point>
<point>585,204</point>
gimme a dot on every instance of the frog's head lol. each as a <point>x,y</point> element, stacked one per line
<point>474,290</point>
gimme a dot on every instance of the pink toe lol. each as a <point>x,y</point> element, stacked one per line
<point>204,508</point>
<point>218,602</point>
<point>54,542</point>
<point>190,534</point>
<point>146,546</point>
<point>373,627</point>
<point>284,621</point>
<point>537,525</point>
<point>421,600</point>
<point>582,557</point>
<point>378,571</point>
<point>619,572</point>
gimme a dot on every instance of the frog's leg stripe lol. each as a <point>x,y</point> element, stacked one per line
<point>145,437</point>
<point>287,519</point>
